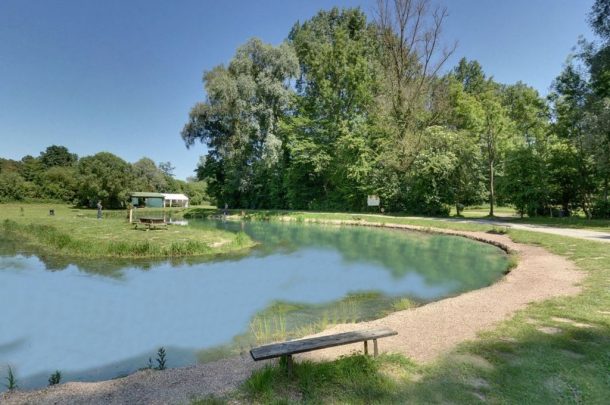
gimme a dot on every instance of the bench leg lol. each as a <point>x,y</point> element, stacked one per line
<point>287,361</point>
<point>375,349</point>
<point>366,347</point>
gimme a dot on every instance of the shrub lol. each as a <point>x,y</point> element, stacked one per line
<point>161,358</point>
<point>11,380</point>
<point>55,378</point>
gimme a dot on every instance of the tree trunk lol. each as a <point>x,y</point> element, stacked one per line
<point>491,188</point>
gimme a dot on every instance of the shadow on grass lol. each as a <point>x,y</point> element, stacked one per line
<point>569,365</point>
<point>569,222</point>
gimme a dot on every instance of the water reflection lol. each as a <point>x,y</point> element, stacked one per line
<point>95,319</point>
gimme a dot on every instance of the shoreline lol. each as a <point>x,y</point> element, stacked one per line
<point>425,332</point>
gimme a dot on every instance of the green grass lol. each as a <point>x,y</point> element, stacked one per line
<point>504,214</point>
<point>577,221</point>
<point>74,232</point>
<point>482,211</point>
<point>287,320</point>
<point>601,225</point>
<point>515,363</point>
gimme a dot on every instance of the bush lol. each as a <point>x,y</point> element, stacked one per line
<point>601,209</point>
<point>55,378</point>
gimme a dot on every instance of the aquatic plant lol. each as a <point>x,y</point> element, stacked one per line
<point>161,358</point>
<point>11,380</point>
<point>402,304</point>
<point>55,378</point>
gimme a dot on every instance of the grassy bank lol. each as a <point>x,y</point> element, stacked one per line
<point>74,232</point>
<point>576,221</point>
<point>289,320</point>
<point>504,214</point>
<point>557,351</point>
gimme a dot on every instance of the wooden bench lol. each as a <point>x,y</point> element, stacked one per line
<point>152,223</point>
<point>287,349</point>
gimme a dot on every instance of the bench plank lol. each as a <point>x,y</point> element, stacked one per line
<point>322,342</point>
<point>152,223</point>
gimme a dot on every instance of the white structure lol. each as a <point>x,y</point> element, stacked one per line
<point>175,200</point>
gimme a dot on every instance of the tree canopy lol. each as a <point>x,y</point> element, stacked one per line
<point>348,107</point>
<point>59,175</point>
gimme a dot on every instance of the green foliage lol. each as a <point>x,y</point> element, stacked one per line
<point>59,183</point>
<point>446,172</point>
<point>369,106</point>
<point>513,363</point>
<point>104,177</point>
<point>11,380</point>
<point>161,359</point>
<point>239,122</point>
<point>57,156</point>
<point>58,175</point>
<point>525,181</point>
<point>77,234</point>
<point>12,186</point>
<point>330,143</point>
<point>353,379</point>
<point>55,378</point>
<point>195,191</point>
<point>148,177</point>
<point>599,18</point>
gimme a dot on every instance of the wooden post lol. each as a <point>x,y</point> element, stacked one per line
<point>366,347</point>
<point>375,349</point>
<point>130,215</point>
<point>287,360</point>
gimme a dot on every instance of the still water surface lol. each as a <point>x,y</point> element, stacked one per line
<point>97,319</point>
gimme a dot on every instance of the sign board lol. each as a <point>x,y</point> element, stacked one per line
<point>372,200</point>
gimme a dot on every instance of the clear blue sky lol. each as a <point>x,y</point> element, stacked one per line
<point>122,75</point>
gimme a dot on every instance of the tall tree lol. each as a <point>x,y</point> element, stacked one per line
<point>495,132</point>
<point>570,99</point>
<point>104,177</point>
<point>331,145</point>
<point>57,156</point>
<point>480,112</point>
<point>149,177</point>
<point>411,56</point>
<point>239,120</point>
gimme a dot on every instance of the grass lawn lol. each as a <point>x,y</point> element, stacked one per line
<point>577,221</point>
<point>601,225</point>
<point>481,211</point>
<point>77,232</point>
<point>555,352</point>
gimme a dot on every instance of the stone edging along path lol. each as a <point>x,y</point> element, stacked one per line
<point>424,332</point>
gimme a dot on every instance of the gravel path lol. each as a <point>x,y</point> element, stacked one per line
<point>423,334</point>
<point>586,234</point>
<point>172,386</point>
<point>433,329</point>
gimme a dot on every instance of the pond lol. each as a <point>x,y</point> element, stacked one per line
<point>99,319</point>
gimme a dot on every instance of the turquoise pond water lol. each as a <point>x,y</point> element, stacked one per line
<point>98,319</point>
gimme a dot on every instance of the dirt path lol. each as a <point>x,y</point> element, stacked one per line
<point>585,234</point>
<point>426,332</point>
<point>423,334</point>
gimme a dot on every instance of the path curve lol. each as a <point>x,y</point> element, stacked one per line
<point>433,329</point>
<point>585,234</point>
<point>423,334</point>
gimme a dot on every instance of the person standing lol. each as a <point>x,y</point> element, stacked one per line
<point>99,210</point>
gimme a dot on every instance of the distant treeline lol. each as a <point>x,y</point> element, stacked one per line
<point>348,107</point>
<point>58,174</point>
